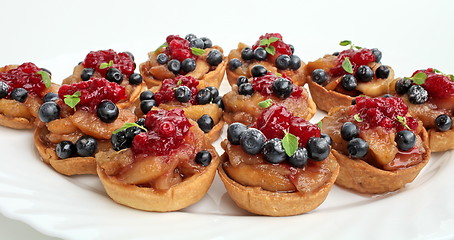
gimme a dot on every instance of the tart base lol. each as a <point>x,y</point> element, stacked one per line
<point>16,122</point>
<point>441,141</point>
<point>327,99</point>
<point>262,202</point>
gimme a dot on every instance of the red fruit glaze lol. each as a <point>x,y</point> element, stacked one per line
<point>122,61</point>
<point>359,57</point>
<point>276,119</point>
<point>280,46</point>
<point>24,76</point>
<point>438,86</point>
<point>179,48</point>
<point>166,131</point>
<point>93,92</point>
<point>167,91</point>
<point>264,85</point>
<point>382,112</point>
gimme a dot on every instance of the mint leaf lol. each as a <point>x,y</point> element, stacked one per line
<point>162,46</point>
<point>345,43</point>
<point>46,78</point>
<point>266,104</point>
<point>347,65</point>
<point>357,47</point>
<point>278,74</point>
<point>320,124</point>
<point>265,42</point>
<point>197,51</point>
<point>357,118</point>
<point>271,50</point>
<point>273,39</point>
<point>290,143</point>
<point>437,71</point>
<point>451,76</point>
<point>403,121</point>
<point>128,125</point>
<point>419,78</point>
<point>106,65</point>
<point>72,100</point>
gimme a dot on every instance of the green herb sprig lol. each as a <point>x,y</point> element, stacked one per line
<point>349,43</point>
<point>72,100</point>
<point>290,143</point>
<point>128,125</point>
<point>266,103</point>
<point>106,65</point>
<point>45,76</point>
<point>267,41</point>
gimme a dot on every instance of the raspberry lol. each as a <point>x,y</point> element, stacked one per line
<point>24,76</point>
<point>166,92</point>
<point>360,57</point>
<point>280,46</point>
<point>121,61</point>
<point>438,86</point>
<point>179,48</point>
<point>264,84</point>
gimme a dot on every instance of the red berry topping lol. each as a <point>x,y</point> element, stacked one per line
<point>385,112</point>
<point>93,92</point>
<point>179,48</point>
<point>121,61</point>
<point>438,86</point>
<point>166,92</point>
<point>166,131</point>
<point>264,85</point>
<point>280,46</point>
<point>276,120</point>
<point>24,76</point>
<point>359,57</point>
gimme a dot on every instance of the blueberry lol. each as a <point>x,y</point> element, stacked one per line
<point>405,140</point>
<point>65,149</point>
<point>19,94</point>
<point>234,131</point>
<point>46,70</point>
<point>183,94</point>
<point>246,89</point>
<point>443,123</point>
<point>417,94</point>
<point>402,85</point>
<point>382,72</point>
<point>336,53</point>
<point>354,101</point>
<point>258,71</point>
<point>282,88</point>
<point>147,105</point>
<point>207,43</point>
<point>86,146</point>
<point>283,61</point>
<point>135,79</point>
<point>188,65</point>
<point>49,111</point>
<point>241,80</point>
<point>114,75</point>
<point>364,73</point>
<point>146,95</point>
<point>357,148</point>
<point>174,66</point>
<point>387,95</point>
<point>319,76</point>
<point>247,53</point>
<point>317,148</point>
<point>87,73</point>
<point>234,64</point>
<point>299,158</point>
<point>327,138</point>
<point>203,158</point>
<point>252,140</point>
<point>197,43</point>
<point>273,151</point>
<point>348,82</point>
<point>120,141</point>
<point>205,123</point>
<point>131,132</point>
<point>214,57</point>
<point>190,36</point>
<point>50,97</point>
<point>3,89</point>
<point>162,58</point>
<point>349,131</point>
<point>260,54</point>
<point>295,62</point>
<point>141,122</point>
<point>214,91</point>
<point>377,53</point>
<point>292,48</point>
<point>219,102</point>
<point>107,111</point>
<point>203,96</point>
<point>130,55</point>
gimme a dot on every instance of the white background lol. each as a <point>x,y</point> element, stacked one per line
<point>58,34</point>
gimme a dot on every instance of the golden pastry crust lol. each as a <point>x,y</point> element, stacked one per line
<point>263,202</point>
<point>298,76</point>
<point>441,141</point>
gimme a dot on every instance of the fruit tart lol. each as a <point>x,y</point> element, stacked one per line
<point>280,166</point>
<point>270,51</point>
<point>115,67</point>
<point>190,56</point>
<point>166,168</point>
<point>429,95</point>
<point>377,144</point>
<point>201,105</point>
<point>23,88</point>
<point>335,79</point>
<point>242,104</point>
<point>79,123</point>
